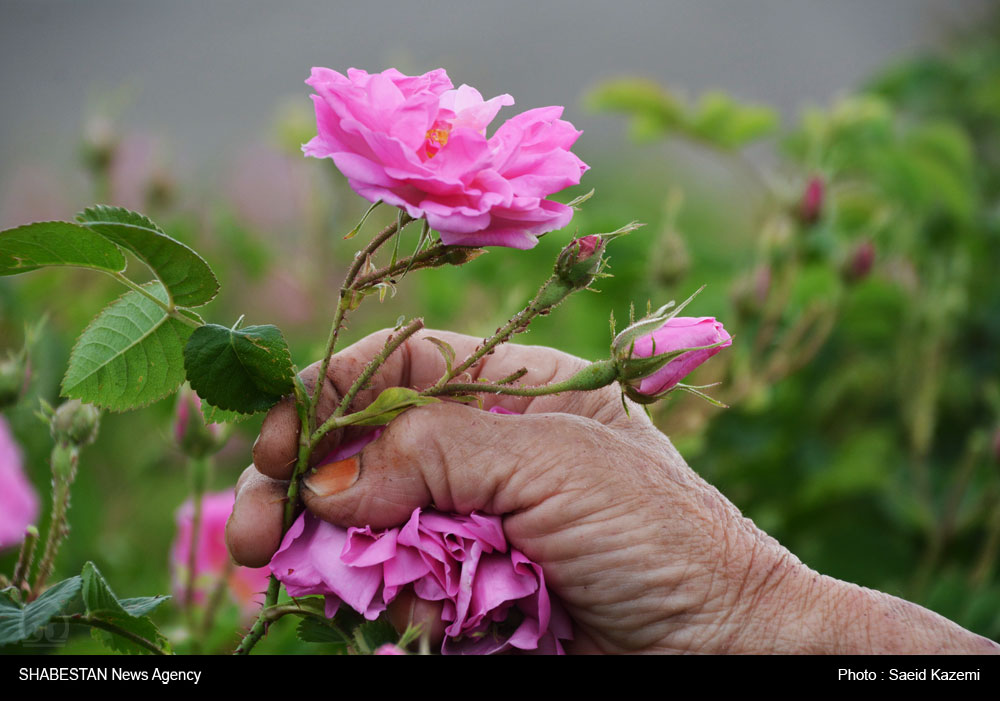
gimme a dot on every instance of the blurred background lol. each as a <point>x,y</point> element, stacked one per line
<point>830,171</point>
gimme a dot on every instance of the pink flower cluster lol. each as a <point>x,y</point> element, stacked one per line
<point>212,561</point>
<point>18,500</point>
<point>417,143</point>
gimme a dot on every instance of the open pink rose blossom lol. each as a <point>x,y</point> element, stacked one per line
<point>494,598</point>
<point>417,143</point>
<point>247,585</point>
<point>18,500</point>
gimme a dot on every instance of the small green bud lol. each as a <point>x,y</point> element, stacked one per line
<point>580,261</point>
<point>75,423</point>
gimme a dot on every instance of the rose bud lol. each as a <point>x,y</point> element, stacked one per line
<point>580,261</point>
<point>196,438</point>
<point>389,649</point>
<point>860,263</point>
<point>657,352</point>
<point>75,423</point>
<point>811,206</point>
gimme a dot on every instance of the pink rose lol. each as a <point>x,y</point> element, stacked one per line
<point>675,334</point>
<point>462,562</point>
<point>18,500</point>
<point>418,144</point>
<point>247,585</point>
<point>389,649</point>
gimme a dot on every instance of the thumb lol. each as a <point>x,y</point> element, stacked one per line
<point>458,459</point>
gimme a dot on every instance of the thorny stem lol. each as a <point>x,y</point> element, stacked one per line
<point>346,289</point>
<point>423,259</point>
<point>551,293</point>
<point>306,406</point>
<point>62,479</point>
<point>25,557</point>
<point>391,344</point>
<point>594,376</point>
<point>79,619</point>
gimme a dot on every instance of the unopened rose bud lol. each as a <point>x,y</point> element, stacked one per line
<point>750,293</point>
<point>196,438</point>
<point>811,206</point>
<point>580,261</point>
<point>860,263</point>
<point>657,352</point>
<point>75,423</point>
<point>389,649</point>
<point>13,379</point>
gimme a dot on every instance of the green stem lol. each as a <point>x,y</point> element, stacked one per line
<point>64,461</point>
<point>551,293</point>
<point>25,557</point>
<point>425,259</point>
<point>259,627</point>
<point>111,628</point>
<point>346,293</point>
<point>393,342</point>
<point>594,376</point>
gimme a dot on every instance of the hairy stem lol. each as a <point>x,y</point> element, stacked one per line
<point>64,462</point>
<point>391,344</point>
<point>594,376</point>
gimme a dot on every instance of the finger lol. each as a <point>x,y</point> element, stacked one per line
<point>459,459</point>
<point>277,446</point>
<point>253,531</point>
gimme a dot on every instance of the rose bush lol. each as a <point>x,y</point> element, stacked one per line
<point>416,143</point>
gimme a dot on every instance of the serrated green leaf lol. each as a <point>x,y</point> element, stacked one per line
<point>215,415</point>
<point>245,370</point>
<point>313,630</point>
<point>130,355</point>
<point>389,404</point>
<point>188,279</point>
<point>41,244</point>
<point>20,623</point>
<point>371,635</point>
<point>103,605</point>
<point>141,605</point>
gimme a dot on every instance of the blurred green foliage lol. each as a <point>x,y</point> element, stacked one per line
<point>864,381</point>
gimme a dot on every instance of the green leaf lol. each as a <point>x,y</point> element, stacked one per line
<point>389,404</point>
<point>446,351</point>
<point>314,630</point>
<point>215,415</point>
<point>188,279</point>
<point>246,370</point>
<point>141,605</point>
<point>20,623</point>
<point>103,605</point>
<point>371,635</point>
<point>130,355</point>
<point>34,246</point>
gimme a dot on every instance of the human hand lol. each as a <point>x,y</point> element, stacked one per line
<point>644,554</point>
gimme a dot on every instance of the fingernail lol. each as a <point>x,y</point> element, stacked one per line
<point>333,477</point>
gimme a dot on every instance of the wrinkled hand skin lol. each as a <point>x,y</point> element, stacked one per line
<point>645,555</point>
